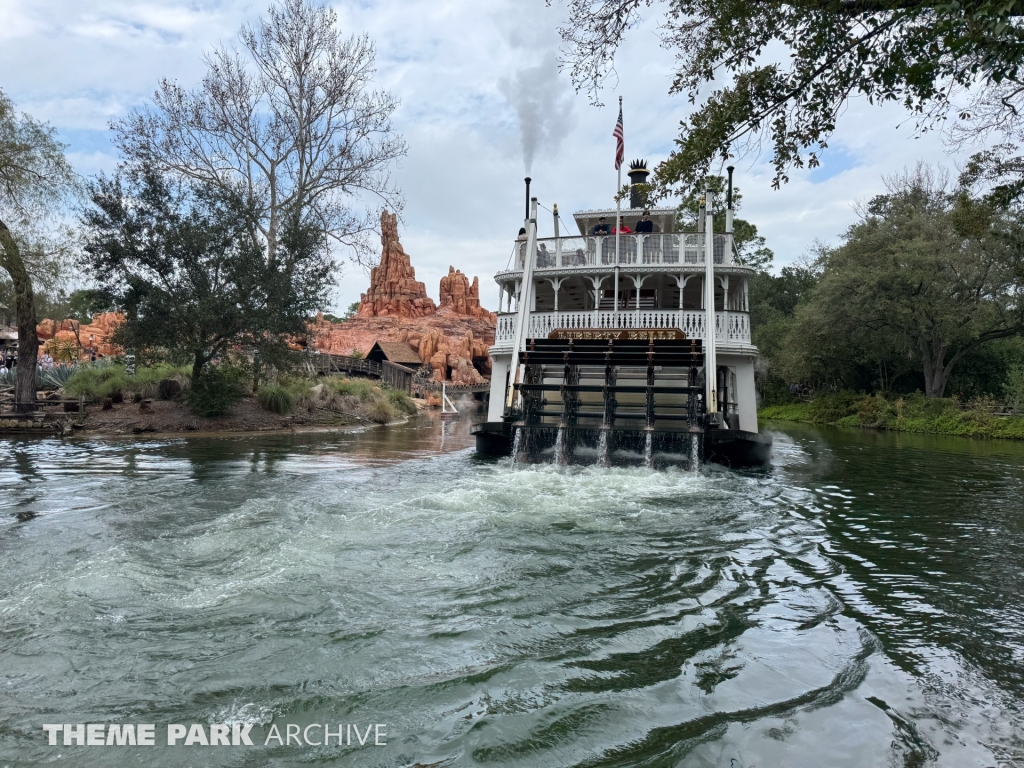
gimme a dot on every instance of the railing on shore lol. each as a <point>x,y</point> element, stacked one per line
<point>324,364</point>
<point>635,249</point>
<point>730,326</point>
<point>394,375</point>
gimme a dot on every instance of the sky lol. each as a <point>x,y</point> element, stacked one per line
<point>473,78</point>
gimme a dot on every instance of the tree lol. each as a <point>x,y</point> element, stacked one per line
<point>288,123</point>
<point>35,178</point>
<point>175,259</point>
<point>927,275</point>
<point>790,66</point>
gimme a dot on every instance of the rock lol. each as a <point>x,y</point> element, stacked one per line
<point>107,404</point>
<point>459,297</point>
<point>394,290</point>
<point>146,406</point>
<point>100,330</point>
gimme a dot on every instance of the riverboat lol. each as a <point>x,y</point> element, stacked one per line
<point>604,343</point>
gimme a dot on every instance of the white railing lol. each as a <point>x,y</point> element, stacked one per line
<point>730,327</point>
<point>598,251</point>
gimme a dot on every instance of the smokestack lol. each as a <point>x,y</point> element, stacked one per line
<point>527,198</point>
<point>638,174</point>
<point>728,198</point>
<point>728,209</point>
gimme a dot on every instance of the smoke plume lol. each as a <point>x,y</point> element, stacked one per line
<point>543,104</point>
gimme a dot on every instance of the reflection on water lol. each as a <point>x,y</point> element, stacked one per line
<point>859,605</point>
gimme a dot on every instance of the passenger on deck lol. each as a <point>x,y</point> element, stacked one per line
<point>645,224</point>
<point>544,257</point>
<point>601,228</point>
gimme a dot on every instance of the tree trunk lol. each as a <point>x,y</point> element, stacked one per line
<point>25,308</point>
<point>936,372</point>
<point>197,367</point>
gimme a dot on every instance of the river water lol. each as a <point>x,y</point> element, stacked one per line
<point>861,604</point>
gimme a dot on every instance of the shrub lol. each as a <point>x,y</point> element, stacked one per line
<point>276,399</point>
<point>1013,388</point>
<point>400,401</point>
<point>220,387</point>
<point>96,381</point>
<point>56,377</point>
<point>381,411</point>
<point>364,389</point>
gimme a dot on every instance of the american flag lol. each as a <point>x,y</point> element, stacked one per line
<point>620,143</point>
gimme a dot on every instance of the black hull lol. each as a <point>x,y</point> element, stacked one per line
<point>738,449</point>
<point>729,447</point>
<point>493,438</point>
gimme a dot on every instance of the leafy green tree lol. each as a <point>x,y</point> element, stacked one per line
<point>35,178</point>
<point>785,69</point>
<point>925,277</point>
<point>176,259</point>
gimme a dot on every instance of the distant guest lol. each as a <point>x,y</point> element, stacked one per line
<point>645,224</point>
<point>601,228</point>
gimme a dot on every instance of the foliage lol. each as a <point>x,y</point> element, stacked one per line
<point>178,261</point>
<point>35,179</point>
<point>276,399</point>
<point>96,381</point>
<point>364,389</point>
<point>785,70</point>
<point>55,378</point>
<point>220,387</point>
<point>61,351</point>
<point>1013,388</point>
<point>289,117</point>
<point>400,401</point>
<point>83,304</point>
<point>924,278</point>
<point>381,411</point>
<point>910,413</point>
<point>351,311</point>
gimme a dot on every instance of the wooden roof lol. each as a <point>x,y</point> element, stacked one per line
<point>397,352</point>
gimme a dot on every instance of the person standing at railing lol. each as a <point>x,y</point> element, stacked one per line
<point>601,228</point>
<point>644,226</point>
<point>627,246</point>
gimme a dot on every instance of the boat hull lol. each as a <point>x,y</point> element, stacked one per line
<point>729,447</point>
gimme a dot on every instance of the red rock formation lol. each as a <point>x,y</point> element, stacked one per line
<point>394,289</point>
<point>458,296</point>
<point>453,339</point>
<point>96,334</point>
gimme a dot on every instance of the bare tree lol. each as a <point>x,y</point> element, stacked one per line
<point>35,178</point>
<point>289,122</point>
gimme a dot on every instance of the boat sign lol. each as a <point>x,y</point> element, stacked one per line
<point>618,334</point>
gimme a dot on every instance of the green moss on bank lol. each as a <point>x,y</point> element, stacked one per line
<point>912,413</point>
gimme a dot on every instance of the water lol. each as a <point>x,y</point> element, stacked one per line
<point>862,604</point>
<point>602,449</point>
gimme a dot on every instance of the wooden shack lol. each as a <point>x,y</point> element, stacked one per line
<point>398,363</point>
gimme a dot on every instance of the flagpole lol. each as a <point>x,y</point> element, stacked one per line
<point>618,226</point>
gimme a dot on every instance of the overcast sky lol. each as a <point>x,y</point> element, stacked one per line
<point>465,71</point>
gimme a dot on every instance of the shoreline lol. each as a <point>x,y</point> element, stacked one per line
<point>899,416</point>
